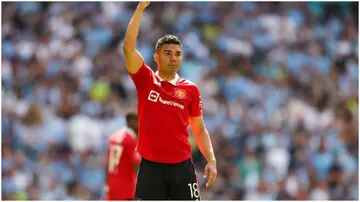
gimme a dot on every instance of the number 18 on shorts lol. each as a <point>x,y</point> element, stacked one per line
<point>194,192</point>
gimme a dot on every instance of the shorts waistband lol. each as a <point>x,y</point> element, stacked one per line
<point>159,163</point>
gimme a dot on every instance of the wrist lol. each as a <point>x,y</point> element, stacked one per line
<point>212,161</point>
<point>210,157</point>
<point>140,9</point>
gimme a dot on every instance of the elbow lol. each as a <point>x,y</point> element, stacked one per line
<point>129,44</point>
<point>201,132</point>
<point>125,43</point>
<point>126,47</point>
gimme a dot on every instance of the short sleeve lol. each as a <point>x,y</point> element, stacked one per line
<point>142,77</point>
<point>135,156</point>
<point>196,106</point>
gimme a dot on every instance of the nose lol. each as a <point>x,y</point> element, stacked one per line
<point>173,58</point>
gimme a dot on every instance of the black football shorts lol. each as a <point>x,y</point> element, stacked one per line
<point>159,181</point>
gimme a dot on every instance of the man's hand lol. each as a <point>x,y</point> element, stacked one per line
<point>210,173</point>
<point>143,4</point>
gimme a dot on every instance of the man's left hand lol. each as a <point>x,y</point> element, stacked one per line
<point>210,173</point>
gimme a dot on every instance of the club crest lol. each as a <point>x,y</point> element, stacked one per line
<point>180,93</point>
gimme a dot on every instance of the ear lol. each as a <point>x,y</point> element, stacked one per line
<point>156,57</point>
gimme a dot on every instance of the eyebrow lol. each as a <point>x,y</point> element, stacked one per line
<point>170,51</point>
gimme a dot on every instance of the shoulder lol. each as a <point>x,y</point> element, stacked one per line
<point>190,87</point>
<point>118,135</point>
<point>130,132</point>
<point>144,68</point>
<point>188,84</point>
<point>147,67</point>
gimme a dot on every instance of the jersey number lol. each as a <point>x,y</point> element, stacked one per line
<point>194,190</point>
<point>114,157</point>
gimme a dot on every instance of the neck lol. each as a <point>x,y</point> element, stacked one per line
<point>167,77</point>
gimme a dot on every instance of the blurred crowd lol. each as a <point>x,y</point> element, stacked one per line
<point>279,84</point>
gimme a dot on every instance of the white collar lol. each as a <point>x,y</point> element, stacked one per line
<point>173,81</point>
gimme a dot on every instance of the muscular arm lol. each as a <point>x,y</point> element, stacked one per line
<point>204,143</point>
<point>202,138</point>
<point>133,58</point>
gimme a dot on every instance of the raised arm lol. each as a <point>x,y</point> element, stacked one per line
<point>133,58</point>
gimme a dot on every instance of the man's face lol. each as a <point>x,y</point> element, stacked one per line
<point>169,58</point>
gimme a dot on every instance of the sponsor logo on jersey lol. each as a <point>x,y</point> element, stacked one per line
<point>155,96</point>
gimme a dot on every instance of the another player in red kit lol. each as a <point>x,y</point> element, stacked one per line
<point>122,161</point>
<point>167,105</point>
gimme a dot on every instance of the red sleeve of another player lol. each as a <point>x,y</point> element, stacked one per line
<point>135,157</point>
<point>196,107</point>
<point>142,77</point>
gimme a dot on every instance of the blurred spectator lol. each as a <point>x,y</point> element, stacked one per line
<point>279,84</point>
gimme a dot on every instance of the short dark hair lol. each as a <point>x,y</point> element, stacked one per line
<point>167,39</point>
<point>131,116</point>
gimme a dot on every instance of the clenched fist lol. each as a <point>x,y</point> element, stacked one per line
<point>143,4</point>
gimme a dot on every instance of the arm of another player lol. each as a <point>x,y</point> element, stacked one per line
<point>203,141</point>
<point>135,157</point>
<point>106,187</point>
<point>133,58</point>
<point>136,161</point>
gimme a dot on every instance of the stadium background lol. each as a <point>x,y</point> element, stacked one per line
<point>279,84</point>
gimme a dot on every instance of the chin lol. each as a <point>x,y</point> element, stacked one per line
<point>174,68</point>
<point>170,70</point>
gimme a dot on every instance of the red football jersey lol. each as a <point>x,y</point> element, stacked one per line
<point>164,108</point>
<point>121,156</point>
